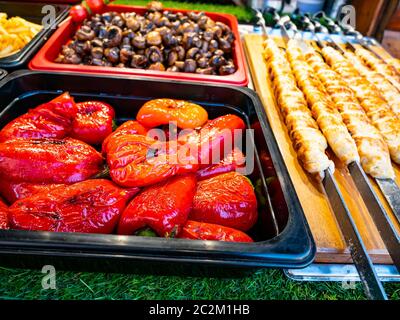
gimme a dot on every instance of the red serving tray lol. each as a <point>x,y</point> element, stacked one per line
<point>44,59</point>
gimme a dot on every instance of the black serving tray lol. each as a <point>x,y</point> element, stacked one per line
<point>3,73</point>
<point>33,13</point>
<point>282,236</point>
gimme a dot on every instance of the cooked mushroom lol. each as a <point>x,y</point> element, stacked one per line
<point>213,45</point>
<point>97,52</point>
<point>190,54</point>
<point>132,23</point>
<point>139,42</point>
<point>73,59</point>
<point>202,62</point>
<point>227,69</point>
<point>118,21</point>
<point>172,58</point>
<point>85,33</point>
<point>225,45</point>
<point>139,61</point>
<point>154,54</point>
<point>217,61</point>
<point>208,70</point>
<point>173,69</point>
<point>157,66</point>
<point>153,38</point>
<point>112,54</point>
<point>125,54</point>
<point>154,6</point>
<point>180,64</point>
<point>96,43</point>
<point>97,62</point>
<point>181,52</point>
<point>190,65</point>
<point>114,37</point>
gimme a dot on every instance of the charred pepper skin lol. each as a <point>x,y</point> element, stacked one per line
<point>91,206</point>
<point>214,138</point>
<point>159,112</point>
<point>3,216</point>
<point>128,127</point>
<point>93,122</point>
<point>228,200</point>
<point>137,161</point>
<point>49,120</point>
<point>233,161</point>
<point>13,191</point>
<point>163,207</point>
<point>50,161</point>
<point>207,231</point>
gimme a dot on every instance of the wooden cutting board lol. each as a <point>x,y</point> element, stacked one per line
<point>319,214</point>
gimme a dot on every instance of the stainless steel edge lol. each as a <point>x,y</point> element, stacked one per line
<point>381,219</point>
<point>373,288</point>
<point>391,191</point>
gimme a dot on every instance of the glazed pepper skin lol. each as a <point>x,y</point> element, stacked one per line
<point>137,161</point>
<point>91,206</point>
<point>228,200</point>
<point>3,216</point>
<point>162,111</point>
<point>163,207</point>
<point>49,161</point>
<point>207,231</point>
<point>214,138</point>
<point>231,162</point>
<point>49,120</point>
<point>128,127</point>
<point>13,191</point>
<point>93,122</point>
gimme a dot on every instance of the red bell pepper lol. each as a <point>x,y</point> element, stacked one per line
<point>136,161</point>
<point>158,112</point>
<point>49,120</point>
<point>3,215</point>
<point>214,138</point>
<point>48,161</point>
<point>228,200</point>
<point>231,162</point>
<point>128,127</point>
<point>93,122</point>
<point>163,207</point>
<point>91,206</point>
<point>13,191</point>
<point>208,231</point>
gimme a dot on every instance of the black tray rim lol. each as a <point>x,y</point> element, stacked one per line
<point>261,254</point>
<point>22,57</point>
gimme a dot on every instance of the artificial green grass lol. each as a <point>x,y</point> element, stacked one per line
<point>243,14</point>
<point>263,284</point>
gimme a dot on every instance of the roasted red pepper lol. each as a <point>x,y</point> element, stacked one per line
<point>49,120</point>
<point>13,191</point>
<point>163,207</point>
<point>158,112</point>
<point>228,200</point>
<point>93,122</point>
<point>231,162</point>
<point>48,161</point>
<point>3,215</point>
<point>208,231</point>
<point>136,160</point>
<point>214,138</point>
<point>91,206</point>
<point>128,127</point>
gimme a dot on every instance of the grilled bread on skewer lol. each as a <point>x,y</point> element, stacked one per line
<point>387,90</point>
<point>322,107</point>
<point>387,70</point>
<point>373,151</point>
<point>378,111</point>
<point>307,139</point>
